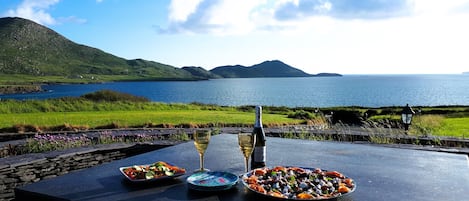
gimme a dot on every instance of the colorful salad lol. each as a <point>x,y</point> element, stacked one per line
<point>298,183</point>
<point>156,170</point>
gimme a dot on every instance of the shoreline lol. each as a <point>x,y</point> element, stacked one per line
<point>32,88</point>
<point>20,89</point>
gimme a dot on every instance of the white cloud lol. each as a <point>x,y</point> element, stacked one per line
<point>179,10</point>
<point>243,16</point>
<point>438,7</point>
<point>211,16</point>
<point>343,9</point>
<point>35,10</point>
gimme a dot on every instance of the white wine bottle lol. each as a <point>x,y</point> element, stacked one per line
<point>258,155</point>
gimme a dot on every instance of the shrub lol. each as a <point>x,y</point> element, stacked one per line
<point>113,96</point>
<point>22,128</point>
<point>370,112</point>
<point>347,117</point>
<point>68,127</point>
<point>301,114</point>
<point>387,111</point>
<point>426,124</point>
<point>113,125</point>
<point>47,142</point>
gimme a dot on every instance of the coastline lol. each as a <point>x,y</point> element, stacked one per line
<point>20,89</point>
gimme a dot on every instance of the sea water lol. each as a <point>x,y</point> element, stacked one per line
<point>348,90</point>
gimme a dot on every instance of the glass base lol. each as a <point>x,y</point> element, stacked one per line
<point>201,170</point>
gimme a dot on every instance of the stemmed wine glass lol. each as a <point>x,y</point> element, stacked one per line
<point>246,145</point>
<point>201,140</point>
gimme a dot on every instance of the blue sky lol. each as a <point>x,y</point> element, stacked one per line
<point>341,36</point>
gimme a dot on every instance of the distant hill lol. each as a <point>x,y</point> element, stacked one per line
<point>273,68</point>
<point>32,49</point>
<point>201,72</point>
<point>30,52</point>
<point>328,75</point>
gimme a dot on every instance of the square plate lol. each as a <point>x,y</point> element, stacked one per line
<point>145,169</point>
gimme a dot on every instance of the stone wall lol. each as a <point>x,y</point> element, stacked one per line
<point>25,169</point>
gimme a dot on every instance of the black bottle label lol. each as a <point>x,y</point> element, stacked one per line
<point>259,154</point>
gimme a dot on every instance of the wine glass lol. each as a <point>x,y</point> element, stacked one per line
<point>246,145</point>
<point>201,140</point>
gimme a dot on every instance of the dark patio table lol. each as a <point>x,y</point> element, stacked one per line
<point>380,173</point>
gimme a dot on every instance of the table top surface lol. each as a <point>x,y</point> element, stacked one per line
<point>380,173</point>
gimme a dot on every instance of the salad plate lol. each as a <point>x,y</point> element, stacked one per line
<point>151,172</point>
<point>212,181</point>
<point>298,183</point>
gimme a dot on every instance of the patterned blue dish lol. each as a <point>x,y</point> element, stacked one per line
<point>212,181</point>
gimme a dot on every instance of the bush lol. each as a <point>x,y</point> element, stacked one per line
<point>347,117</point>
<point>113,96</point>
<point>387,111</point>
<point>426,124</point>
<point>301,114</point>
<point>369,113</point>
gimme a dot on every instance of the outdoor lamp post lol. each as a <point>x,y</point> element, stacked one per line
<point>406,117</point>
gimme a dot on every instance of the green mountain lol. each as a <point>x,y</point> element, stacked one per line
<point>30,52</point>
<point>27,48</point>
<point>201,72</point>
<point>273,68</point>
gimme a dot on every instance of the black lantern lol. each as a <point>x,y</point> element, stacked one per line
<point>406,117</point>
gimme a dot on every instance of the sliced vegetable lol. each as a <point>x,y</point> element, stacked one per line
<point>155,170</point>
<point>169,173</point>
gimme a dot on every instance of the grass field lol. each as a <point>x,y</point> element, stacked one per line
<point>455,127</point>
<point>93,119</point>
<point>108,109</point>
<point>88,78</point>
<point>437,125</point>
<point>28,79</point>
<point>440,125</point>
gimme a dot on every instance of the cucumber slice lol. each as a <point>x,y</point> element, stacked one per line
<point>169,173</point>
<point>149,175</point>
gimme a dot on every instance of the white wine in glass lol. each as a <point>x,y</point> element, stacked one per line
<point>201,140</point>
<point>246,145</point>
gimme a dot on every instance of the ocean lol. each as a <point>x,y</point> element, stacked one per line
<point>348,90</point>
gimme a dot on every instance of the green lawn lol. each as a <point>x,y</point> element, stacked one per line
<point>455,127</point>
<point>31,115</point>
<point>432,124</point>
<point>440,125</point>
<point>27,79</point>
<point>94,119</point>
<point>88,78</point>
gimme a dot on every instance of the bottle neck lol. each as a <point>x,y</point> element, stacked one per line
<point>258,122</point>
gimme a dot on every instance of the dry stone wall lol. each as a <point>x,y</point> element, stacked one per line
<point>25,169</point>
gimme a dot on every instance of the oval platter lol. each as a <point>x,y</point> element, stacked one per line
<point>298,183</point>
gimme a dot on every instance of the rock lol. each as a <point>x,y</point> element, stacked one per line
<point>8,180</point>
<point>28,178</point>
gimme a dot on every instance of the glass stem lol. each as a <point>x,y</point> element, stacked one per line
<point>246,164</point>
<point>201,161</point>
